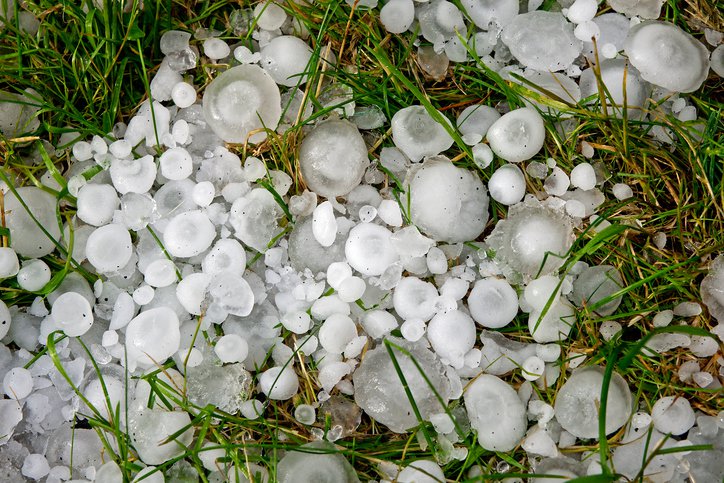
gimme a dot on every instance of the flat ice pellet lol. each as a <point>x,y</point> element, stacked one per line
<point>160,273</point>
<point>367,213</point>
<point>298,322</point>
<point>183,95</point>
<point>351,289</point>
<point>109,248</point>
<point>324,225</point>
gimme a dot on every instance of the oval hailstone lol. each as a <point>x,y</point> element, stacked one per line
<point>485,12</point>
<point>333,158</point>
<point>397,15</point>
<point>518,135</point>
<point>188,234</point>
<point>369,249</point>
<point>579,400</point>
<point>474,122</point>
<point>447,203</point>
<point>285,59</point>
<point>496,413</point>
<point>451,335</point>
<point>72,314</point>
<point>28,239</point>
<point>254,218</point>
<point>316,462</point>
<point>241,100</point>
<point>417,134</point>
<point>555,325</point>
<point>614,72</point>
<point>493,303</point>
<point>97,203</point>
<point>507,185</point>
<point>152,337</point>
<point>109,248</point>
<point>542,41</point>
<point>667,56</point>
<point>5,319</point>
<point>597,283</point>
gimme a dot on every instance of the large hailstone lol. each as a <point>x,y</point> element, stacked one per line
<point>189,234</point>
<point>493,303</point>
<point>614,73</point>
<point>150,429</point>
<point>579,400</point>
<point>496,413</point>
<point>369,249</point>
<point>241,100</point>
<point>447,203</point>
<point>315,462</point>
<point>542,41</point>
<point>417,134</point>
<point>667,56</point>
<point>379,391</point>
<point>518,135</point>
<point>333,158</point>
<point>712,289</point>
<point>285,59</point>
<point>28,239</point>
<point>152,337</point>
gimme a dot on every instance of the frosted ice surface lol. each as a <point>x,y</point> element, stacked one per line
<point>369,249</point>
<point>542,41</point>
<point>485,12</point>
<point>474,122</point>
<point>641,8</point>
<point>582,11</point>
<point>285,59</point>
<point>242,100</point>
<point>316,462</point>
<point>324,224</point>
<point>254,218</point>
<point>595,284</point>
<point>109,248</point>
<point>306,252</point>
<point>667,56</point>
<point>133,175</point>
<point>673,414</point>
<point>5,319</point>
<point>11,413</point>
<point>549,84</point>
<point>712,289</point>
<point>451,335</point>
<point>28,239</point>
<point>188,234</point>
<point>226,387</point>
<point>397,15</point>
<point>153,336</point>
<point>447,203</point>
<point>578,403</point>
<point>493,303</point>
<point>495,412</point>
<point>417,134</point>
<point>439,21</point>
<point>333,158</point>
<point>96,204</point>
<point>9,264</point>
<point>231,293</point>
<point>507,185</point>
<point>518,135</point>
<point>379,391</point>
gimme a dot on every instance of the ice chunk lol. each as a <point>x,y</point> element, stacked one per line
<point>640,8</point>
<point>152,337</point>
<point>183,94</point>
<point>188,234</point>
<point>28,238</point>
<point>596,284</point>
<point>578,403</point>
<point>333,158</point>
<point>279,383</point>
<point>397,15</point>
<point>254,218</point>
<point>555,325</point>
<point>315,462</point>
<point>582,11</point>
<point>109,248</point>
<point>336,332</point>
<point>73,314</point>
<point>150,429</point>
<point>417,134</point>
<point>493,303</point>
<point>380,393</point>
<point>35,466</point>
<point>673,414</point>
<point>225,387</point>
<point>226,254</point>
<point>614,73</point>
<point>447,203</point>
<point>285,59</point>
<point>507,185</point>
<point>414,299</point>
<point>11,413</point>
<point>496,413</point>
<point>96,204</point>
<point>231,294</point>
<point>486,12</point>
<point>369,249</point>
<point>583,176</point>
<point>667,56</point>
<point>451,335</point>
<point>518,135</point>
<point>241,102</point>
<point>439,21</point>
<point>542,41</point>
<point>421,471</point>
<point>712,289</point>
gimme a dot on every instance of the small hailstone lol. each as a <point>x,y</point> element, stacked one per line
<point>279,383</point>
<point>663,318</point>
<point>451,335</point>
<point>176,164</point>
<point>413,329</point>
<point>537,170</point>
<point>285,59</point>
<point>482,155</point>
<point>496,413</point>
<point>507,185</point>
<point>687,369</point>
<point>369,249</point>
<point>533,368</point>
<point>397,15</point>
<point>609,50</point>
<point>582,11</point>
<point>493,303</point>
<point>586,31</point>
<point>518,135</point>
<point>252,409</point>
<point>18,383</point>
<point>97,203</point>
<point>33,275</point>
<point>622,191</point>
<point>378,323</point>
<point>417,134</point>
<point>436,261</point>
<point>231,348</point>
<point>367,213</point>
<point>35,466</point>
<point>609,329</point>
<point>305,414</point>
<point>583,176</point>
<point>298,322</point>
<point>702,379</point>
<point>548,352</point>
<point>110,338</point>
<point>269,15</point>
<point>82,151</point>
<point>120,149</point>
<point>216,49</point>
<point>203,193</point>
<point>72,314</point>
<point>351,289</point>
<point>246,56</point>
<point>557,183</point>
<point>575,208</point>
<point>336,332</point>
<point>143,294</point>
<point>188,234</point>
<point>673,414</point>
<point>389,212</point>
<point>183,95</point>
<point>687,309</point>
<point>703,346</point>
<point>9,264</point>
<point>324,224</point>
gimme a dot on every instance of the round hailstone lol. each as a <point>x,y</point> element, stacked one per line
<point>414,299</point>
<point>712,289</point>
<point>451,335</point>
<point>493,303</point>
<point>176,164</point>
<point>667,56</point>
<point>397,15</point>
<point>231,293</point>
<point>673,414</point>
<point>279,383</point>
<point>369,249</point>
<point>254,218</point>
<point>5,320</point>
<point>595,284</point>
<point>485,12</point>
<point>227,254</point>
<point>542,41</point>
<point>160,273</point>
<point>614,72</point>
<point>582,11</point>
<point>555,325</point>
<point>183,95</point>
<point>216,49</point>
<point>579,400</point>
<point>231,348</point>
<point>133,175</point>
<point>18,383</point>
<point>241,100</point>
<point>583,176</point>
<point>315,462</point>
<point>539,291</point>
<point>153,336</point>
<point>109,248</point>
<point>28,239</point>
<point>496,413</point>
<point>417,134</point>
<point>333,158</point>
<point>305,414</point>
<point>72,314</point>
<point>9,264</point>
<point>518,135</point>
<point>33,275</point>
<point>336,332</point>
<point>286,59</point>
<point>188,234</point>
<point>269,15</point>
<point>447,203</point>
<point>191,292</point>
<point>555,86</point>
<point>421,471</point>
<point>474,122</point>
<point>507,185</point>
<point>97,203</point>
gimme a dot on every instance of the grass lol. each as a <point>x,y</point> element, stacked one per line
<point>91,68</point>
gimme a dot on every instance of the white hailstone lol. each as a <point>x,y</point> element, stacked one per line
<point>702,379</point>
<point>269,15</point>
<point>183,95</point>
<point>298,322</point>
<point>436,261</point>
<point>9,264</point>
<point>496,413</point>
<point>622,191</point>
<point>413,329</point>
<point>286,59</point>
<point>485,12</point>
<point>176,164</point>
<point>203,193</point>
<point>493,303</point>
<point>415,299</point>
<point>575,209</point>
<point>548,352</point>
<point>367,213</point>
<point>120,149</point>
<point>673,414</point>
<point>252,409</point>
<point>123,311</point>
<point>507,185</point>
<point>663,318</point>
<point>585,31</point>
<point>539,291</point>
<point>451,335</point>
<point>11,413</point>
<point>152,337</point>
<point>305,414</point>
<point>557,183</point>
<point>369,249</point>
<point>33,275</point>
<point>160,273</point>
<point>337,272</point>
<point>667,56</point>
<point>188,234</point>
<point>133,175</point>
<point>609,51</point>
<point>421,471</point>
<point>82,151</point>
<point>583,176</point>
<point>143,295</point>
<point>35,466</point>
<point>417,134</point>
<point>97,203</point>
<point>109,248</point>
<point>582,11</point>
<point>389,212</point>
<point>18,383</point>
<point>518,135</point>
<point>712,289</point>
<point>482,155</point>
<point>474,122</point>
<point>110,338</point>
<point>28,240</point>
<point>397,15</point>
<point>609,329</point>
<point>336,332</point>
<point>351,289</point>
<point>241,100</point>
<point>447,203</point>
<point>215,48</point>
<point>231,348</point>
<point>324,224</point>
<point>231,293</point>
<point>152,475</point>
<point>703,346</point>
<point>5,319</point>
<point>191,292</point>
<point>533,368</point>
<point>378,323</point>
<point>72,314</point>
<point>717,60</point>
<point>623,83</point>
<point>555,325</point>
<point>279,383</point>
<point>227,254</point>
<point>151,432</point>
